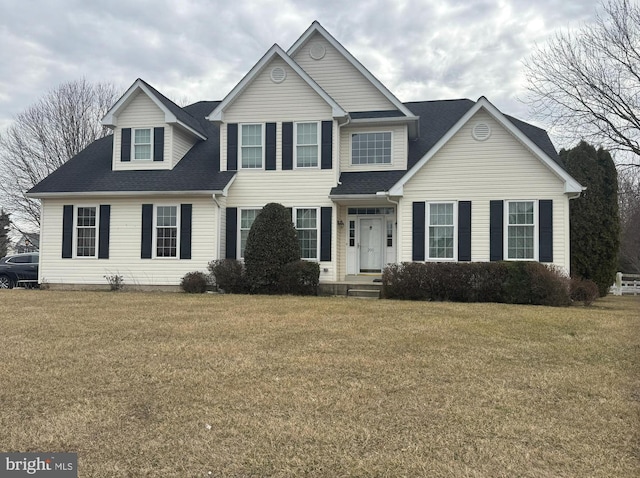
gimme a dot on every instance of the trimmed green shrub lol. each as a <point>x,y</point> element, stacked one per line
<point>194,282</point>
<point>507,282</point>
<point>300,278</point>
<point>271,244</point>
<point>584,290</point>
<point>228,275</point>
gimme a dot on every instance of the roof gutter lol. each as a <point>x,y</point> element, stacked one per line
<point>123,193</point>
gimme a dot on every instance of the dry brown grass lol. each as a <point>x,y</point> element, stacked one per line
<point>177,385</point>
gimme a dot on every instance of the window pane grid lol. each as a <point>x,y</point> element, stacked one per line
<point>306,145</point>
<point>371,148</point>
<point>86,232</point>
<point>142,144</point>
<point>441,231</point>
<point>306,226</point>
<point>247,216</point>
<point>166,231</point>
<point>521,230</point>
<point>251,146</point>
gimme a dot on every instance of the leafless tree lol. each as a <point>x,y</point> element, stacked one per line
<point>629,203</point>
<point>586,83</point>
<point>46,135</point>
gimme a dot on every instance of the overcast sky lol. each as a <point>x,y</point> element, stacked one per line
<point>195,50</point>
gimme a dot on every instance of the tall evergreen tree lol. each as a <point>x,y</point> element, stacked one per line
<point>5,222</point>
<point>271,244</point>
<point>595,222</point>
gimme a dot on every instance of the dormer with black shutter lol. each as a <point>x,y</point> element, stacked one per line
<point>150,132</point>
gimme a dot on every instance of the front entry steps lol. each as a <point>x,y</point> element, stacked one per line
<point>364,293</point>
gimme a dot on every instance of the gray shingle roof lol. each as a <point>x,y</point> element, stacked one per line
<point>90,171</point>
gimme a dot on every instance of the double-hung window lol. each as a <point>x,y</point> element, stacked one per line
<point>166,231</point>
<point>86,231</point>
<point>521,230</point>
<point>247,216</point>
<point>306,138</point>
<point>142,144</point>
<point>441,220</point>
<point>306,223</point>
<point>251,146</point>
<point>371,148</point>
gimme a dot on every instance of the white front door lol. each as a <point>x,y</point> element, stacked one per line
<point>370,244</point>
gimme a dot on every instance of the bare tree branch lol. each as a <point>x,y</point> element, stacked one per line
<point>46,135</point>
<point>586,84</point>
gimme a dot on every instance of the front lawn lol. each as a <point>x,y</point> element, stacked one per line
<point>177,385</point>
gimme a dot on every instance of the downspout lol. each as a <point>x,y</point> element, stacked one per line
<point>218,223</point>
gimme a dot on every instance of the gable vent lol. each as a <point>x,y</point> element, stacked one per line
<point>481,131</point>
<point>278,74</point>
<point>317,51</point>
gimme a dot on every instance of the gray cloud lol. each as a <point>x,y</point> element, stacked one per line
<point>198,49</point>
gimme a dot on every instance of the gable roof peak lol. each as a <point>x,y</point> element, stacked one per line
<point>316,27</point>
<point>172,112</point>
<point>218,113</point>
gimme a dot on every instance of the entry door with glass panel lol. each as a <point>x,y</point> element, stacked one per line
<point>370,244</point>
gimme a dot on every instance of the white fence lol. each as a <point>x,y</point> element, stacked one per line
<point>626,284</point>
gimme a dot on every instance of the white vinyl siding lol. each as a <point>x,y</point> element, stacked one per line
<point>182,143</point>
<point>500,168</point>
<point>340,79</point>
<point>266,101</point>
<point>125,244</point>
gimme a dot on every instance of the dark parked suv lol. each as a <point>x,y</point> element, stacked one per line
<point>19,269</point>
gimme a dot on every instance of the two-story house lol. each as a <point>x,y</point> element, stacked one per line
<point>369,180</point>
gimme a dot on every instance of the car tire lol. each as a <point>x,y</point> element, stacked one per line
<point>6,282</point>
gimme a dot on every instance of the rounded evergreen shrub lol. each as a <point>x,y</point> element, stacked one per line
<point>228,275</point>
<point>300,278</point>
<point>194,282</point>
<point>271,244</point>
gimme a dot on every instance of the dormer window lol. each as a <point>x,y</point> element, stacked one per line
<point>142,145</point>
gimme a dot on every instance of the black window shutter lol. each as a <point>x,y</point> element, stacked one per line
<point>185,231</point>
<point>158,144</point>
<point>270,142</point>
<point>104,231</point>
<point>231,233</point>
<point>147,231</point>
<point>287,146</point>
<point>545,211</point>
<point>464,230</point>
<point>67,232</point>
<point>496,235</point>
<point>327,144</point>
<point>418,233</point>
<point>325,233</point>
<point>290,211</point>
<point>232,147</point>
<point>125,145</point>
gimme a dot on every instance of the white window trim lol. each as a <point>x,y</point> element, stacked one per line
<point>154,244</point>
<point>369,165</point>
<point>455,232</point>
<point>295,144</point>
<point>239,255</point>
<point>536,238</point>
<point>262,146</point>
<point>75,231</point>
<point>133,143</point>
<point>295,220</point>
